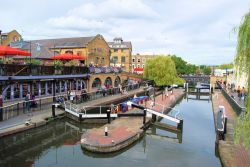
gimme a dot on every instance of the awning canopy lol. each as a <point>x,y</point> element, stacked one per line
<point>67,56</point>
<point>9,51</point>
<point>138,69</point>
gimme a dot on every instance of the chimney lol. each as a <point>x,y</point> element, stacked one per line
<point>0,32</point>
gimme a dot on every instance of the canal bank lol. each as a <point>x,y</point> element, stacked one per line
<point>33,119</point>
<point>122,132</point>
<point>231,154</point>
<point>58,144</point>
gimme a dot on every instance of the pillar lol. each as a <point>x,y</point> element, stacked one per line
<point>12,92</point>
<point>20,90</point>
<point>39,89</point>
<point>60,86</point>
<point>46,88</point>
<point>65,86</point>
<point>1,105</point>
<point>76,85</point>
<point>54,90</point>
<point>81,84</point>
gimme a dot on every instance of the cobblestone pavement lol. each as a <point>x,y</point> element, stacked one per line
<point>232,155</point>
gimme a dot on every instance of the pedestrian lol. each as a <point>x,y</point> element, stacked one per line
<point>166,92</point>
<point>27,101</point>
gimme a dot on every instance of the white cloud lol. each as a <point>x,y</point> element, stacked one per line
<point>198,31</point>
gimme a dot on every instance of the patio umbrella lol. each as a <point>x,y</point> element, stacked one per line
<point>9,51</point>
<point>68,57</point>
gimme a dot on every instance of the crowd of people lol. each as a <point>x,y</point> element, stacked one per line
<point>240,90</point>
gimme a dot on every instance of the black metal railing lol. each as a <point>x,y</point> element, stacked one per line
<point>45,103</point>
<point>235,105</point>
<point>30,69</point>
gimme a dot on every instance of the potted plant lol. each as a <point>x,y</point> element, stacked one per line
<point>72,64</point>
<point>58,66</point>
<point>34,66</point>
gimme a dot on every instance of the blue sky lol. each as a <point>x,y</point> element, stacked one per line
<point>199,31</point>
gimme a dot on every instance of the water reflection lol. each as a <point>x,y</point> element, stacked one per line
<point>57,144</point>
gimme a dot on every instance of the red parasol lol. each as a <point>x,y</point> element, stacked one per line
<point>138,69</point>
<point>7,50</point>
<point>68,57</point>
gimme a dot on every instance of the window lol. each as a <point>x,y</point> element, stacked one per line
<point>138,60</point>
<point>123,59</point>
<point>79,53</point>
<point>138,65</point>
<point>115,50</point>
<point>123,50</point>
<point>115,58</point>
<point>133,66</point>
<point>69,52</point>
<point>133,60</point>
<point>143,66</point>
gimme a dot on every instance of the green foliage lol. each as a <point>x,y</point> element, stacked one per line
<point>58,64</point>
<point>205,69</point>
<point>162,70</point>
<point>224,66</point>
<point>72,63</point>
<point>242,60</point>
<point>182,67</point>
<point>33,61</point>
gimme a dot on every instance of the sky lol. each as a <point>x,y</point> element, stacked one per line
<point>199,31</point>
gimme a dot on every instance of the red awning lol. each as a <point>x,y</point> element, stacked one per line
<point>9,51</point>
<point>138,69</point>
<point>68,57</point>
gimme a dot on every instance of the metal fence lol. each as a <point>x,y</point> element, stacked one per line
<point>45,103</point>
<point>237,108</point>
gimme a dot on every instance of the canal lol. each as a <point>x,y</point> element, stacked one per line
<point>57,144</point>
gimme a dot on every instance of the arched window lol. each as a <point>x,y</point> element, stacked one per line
<point>117,81</point>
<point>108,81</point>
<point>96,83</point>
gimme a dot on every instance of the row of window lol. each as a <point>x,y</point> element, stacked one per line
<point>138,66</point>
<point>122,50</point>
<point>123,59</point>
<point>138,60</point>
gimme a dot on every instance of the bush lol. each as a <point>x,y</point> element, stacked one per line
<point>58,64</point>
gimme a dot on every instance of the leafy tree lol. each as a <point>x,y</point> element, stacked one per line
<point>182,67</point>
<point>180,64</point>
<point>242,63</point>
<point>162,70</point>
<point>206,70</point>
<point>224,66</point>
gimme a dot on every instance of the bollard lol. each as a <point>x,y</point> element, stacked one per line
<point>180,125</point>
<point>144,115</point>
<point>80,117</point>
<point>108,116</point>
<point>53,110</point>
<point>153,117</point>
<point>225,125</point>
<point>106,131</point>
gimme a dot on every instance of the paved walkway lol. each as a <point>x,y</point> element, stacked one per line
<point>123,130</point>
<point>37,118</point>
<point>231,155</point>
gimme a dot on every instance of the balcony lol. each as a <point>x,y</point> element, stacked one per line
<point>26,70</point>
<point>37,70</point>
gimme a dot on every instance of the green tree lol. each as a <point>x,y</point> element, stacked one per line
<point>182,67</point>
<point>206,70</point>
<point>162,70</point>
<point>224,66</point>
<point>242,63</point>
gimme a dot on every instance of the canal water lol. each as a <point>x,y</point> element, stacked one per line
<point>57,144</point>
